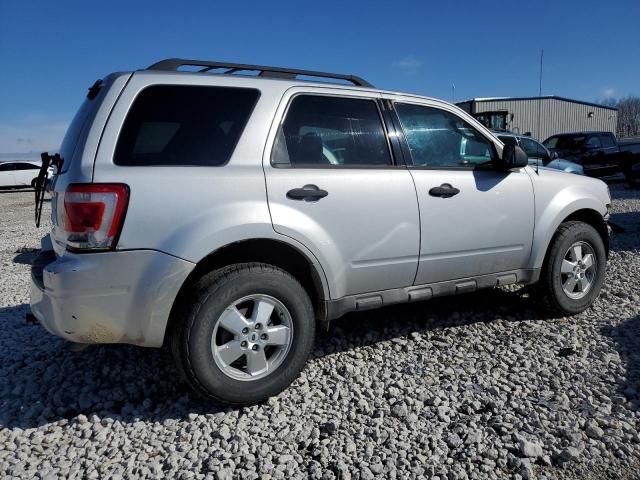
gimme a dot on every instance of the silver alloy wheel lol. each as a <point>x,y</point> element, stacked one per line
<point>252,337</point>
<point>579,269</point>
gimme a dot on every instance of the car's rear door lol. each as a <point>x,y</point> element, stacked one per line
<point>334,186</point>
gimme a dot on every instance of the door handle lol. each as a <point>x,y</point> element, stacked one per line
<point>445,191</point>
<point>309,193</point>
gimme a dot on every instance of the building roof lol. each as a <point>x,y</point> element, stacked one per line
<point>544,97</point>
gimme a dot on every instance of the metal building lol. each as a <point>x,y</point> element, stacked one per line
<point>553,115</point>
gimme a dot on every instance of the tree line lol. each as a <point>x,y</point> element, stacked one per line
<point>628,115</point>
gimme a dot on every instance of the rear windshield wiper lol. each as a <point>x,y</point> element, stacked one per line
<point>41,181</point>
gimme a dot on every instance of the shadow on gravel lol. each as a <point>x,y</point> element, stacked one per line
<point>629,239</point>
<point>626,336</point>
<point>43,380</point>
<point>25,256</point>
<point>15,190</point>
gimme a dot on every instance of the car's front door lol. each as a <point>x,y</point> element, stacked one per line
<point>475,219</point>
<point>333,186</point>
<point>25,173</point>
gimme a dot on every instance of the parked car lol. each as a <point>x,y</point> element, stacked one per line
<point>538,153</point>
<point>18,174</point>
<point>226,214</point>
<point>598,152</point>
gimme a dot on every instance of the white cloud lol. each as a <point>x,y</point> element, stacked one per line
<point>609,92</point>
<point>31,135</point>
<point>408,64</point>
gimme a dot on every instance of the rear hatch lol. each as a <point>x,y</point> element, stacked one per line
<point>79,146</point>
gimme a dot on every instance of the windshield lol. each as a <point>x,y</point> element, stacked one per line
<point>565,142</point>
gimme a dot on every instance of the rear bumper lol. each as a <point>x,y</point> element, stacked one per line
<point>110,297</point>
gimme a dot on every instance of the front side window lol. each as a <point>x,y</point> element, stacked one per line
<point>321,130</point>
<point>438,138</point>
<point>184,125</point>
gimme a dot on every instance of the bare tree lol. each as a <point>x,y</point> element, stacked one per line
<point>628,115</point>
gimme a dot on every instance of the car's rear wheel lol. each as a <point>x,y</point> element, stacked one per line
<point>574,269</point>
<point>245,333</point>
<point>632,178</point>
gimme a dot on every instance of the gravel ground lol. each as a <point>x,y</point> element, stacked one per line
<point>477,386</point>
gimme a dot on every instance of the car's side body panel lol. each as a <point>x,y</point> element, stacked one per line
<point>556,198</point>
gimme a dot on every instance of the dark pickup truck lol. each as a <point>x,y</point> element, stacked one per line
<point>599,153</point>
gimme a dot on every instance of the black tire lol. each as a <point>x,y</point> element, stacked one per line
<point>549,287</point>
<point>632,180</point>
<point>33,183</point>
<point>198,316</point>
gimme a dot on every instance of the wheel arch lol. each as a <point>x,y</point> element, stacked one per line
<point>278,253</point>
<point>587,215</point>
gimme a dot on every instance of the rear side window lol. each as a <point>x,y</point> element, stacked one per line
<point>184,125</point>
<point>325,131</point>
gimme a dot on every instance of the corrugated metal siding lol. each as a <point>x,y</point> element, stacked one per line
<point>556,116</point>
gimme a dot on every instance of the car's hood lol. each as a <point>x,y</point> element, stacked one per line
<point>564,164</point>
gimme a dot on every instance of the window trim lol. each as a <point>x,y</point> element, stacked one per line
<point>407,151</point>
<point>376,100</point>
<point>131,103</point>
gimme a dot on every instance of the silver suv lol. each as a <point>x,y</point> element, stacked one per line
<point>227,210</point>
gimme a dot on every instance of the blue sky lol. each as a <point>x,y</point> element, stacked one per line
<point>51,51</point>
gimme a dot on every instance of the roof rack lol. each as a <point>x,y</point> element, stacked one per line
<point>173,64</point>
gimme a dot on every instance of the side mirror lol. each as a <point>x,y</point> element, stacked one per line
<point>513,157</point>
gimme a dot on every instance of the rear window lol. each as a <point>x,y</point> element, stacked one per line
<point>71,139</point>
<point>184,125</point>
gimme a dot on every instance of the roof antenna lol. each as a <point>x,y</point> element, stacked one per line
<point>539,108</point>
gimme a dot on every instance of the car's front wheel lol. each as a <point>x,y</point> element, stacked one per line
<point>574,269</point>
<point>245,333</point>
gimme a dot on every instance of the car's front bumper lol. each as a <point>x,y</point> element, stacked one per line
<point>109,297</point>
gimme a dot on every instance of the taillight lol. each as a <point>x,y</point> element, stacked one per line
<point>93,215</point>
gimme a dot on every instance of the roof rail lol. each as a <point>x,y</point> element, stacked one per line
<point>173,64</point>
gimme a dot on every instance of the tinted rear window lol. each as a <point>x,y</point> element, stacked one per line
<point>85,113</point>
<point>184,125</point>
